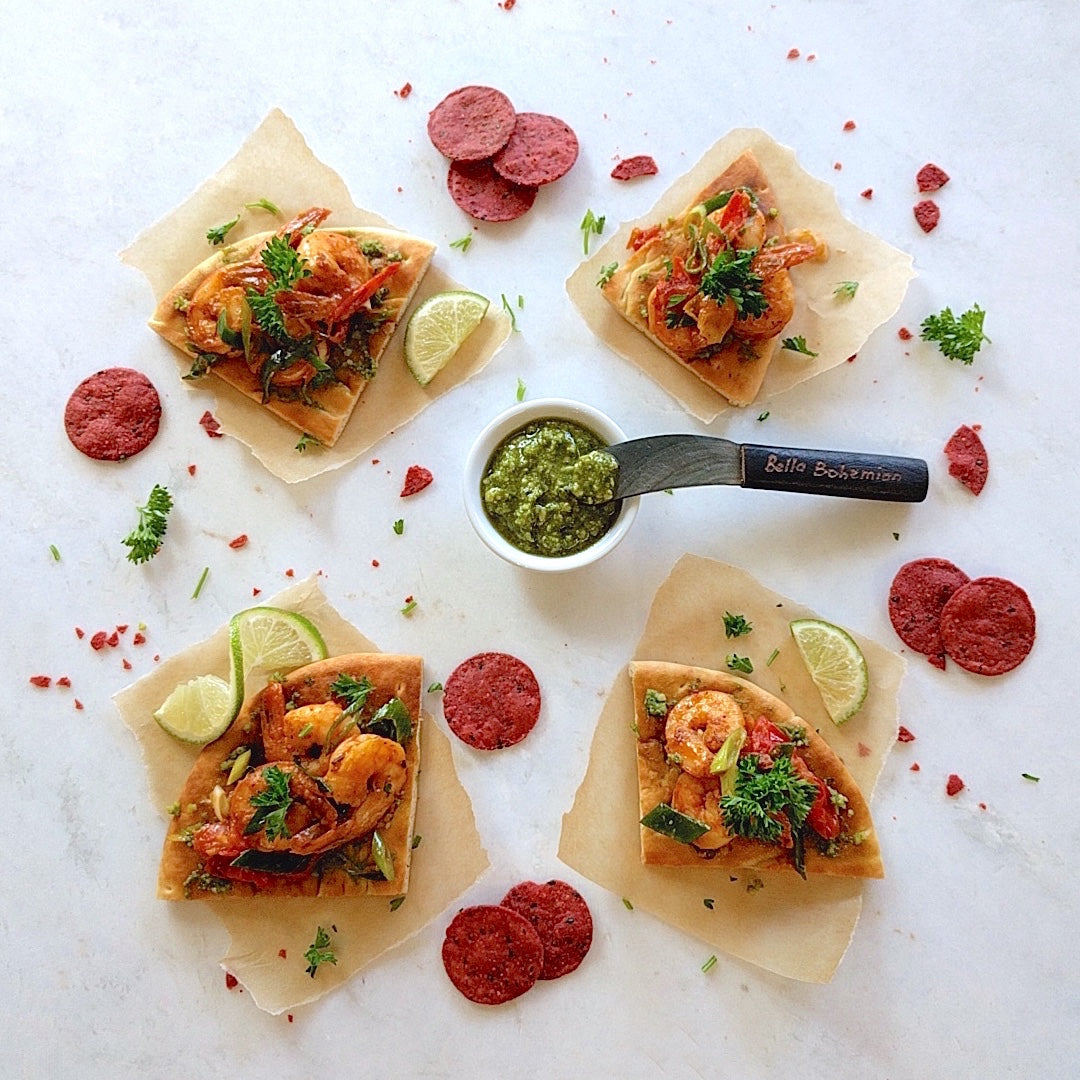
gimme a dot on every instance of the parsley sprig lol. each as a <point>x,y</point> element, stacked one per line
<point>320,951</point>
<point>763,797</point>
<point>286,268</point>
<point>958,338</point>
<point>730,278</point>
<point>354,692</point>
<point>736,625</point>
<point>272,804</point>
<point>144,541</point>
<point>797,344</point>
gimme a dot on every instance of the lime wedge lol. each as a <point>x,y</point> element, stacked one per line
<point>200,710</point>
<point>437,329</point>
<point>266,640</point>
<point>836,664</point>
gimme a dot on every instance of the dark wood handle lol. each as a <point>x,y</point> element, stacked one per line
<point>849,475</point>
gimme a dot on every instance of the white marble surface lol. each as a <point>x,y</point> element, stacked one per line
<point>965,960</point>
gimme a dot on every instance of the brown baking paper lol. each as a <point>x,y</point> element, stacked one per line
<point>276,163</point>
<point>834,328</point>
<point>448,859</point>
<point>776,920</point>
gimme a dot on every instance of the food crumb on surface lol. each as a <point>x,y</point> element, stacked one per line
<point>904,735</point>
<point>41,681</point>
<point>927,214</point>
<point>931,177</point>
<point>954,785</point>
<point>904,334</point>
<point>793,54</point>
<point>405,91</point>
<point>849,125</point>
<point>914,767</point>
<point>867,193</point>
<point>238,541</point>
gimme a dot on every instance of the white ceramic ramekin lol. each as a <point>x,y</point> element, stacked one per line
<point>476,464</point>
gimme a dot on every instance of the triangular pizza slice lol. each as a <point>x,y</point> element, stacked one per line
<point>730,777</point>
<point>711,286</point>
<point>298,319</point>
<point>310,792</point>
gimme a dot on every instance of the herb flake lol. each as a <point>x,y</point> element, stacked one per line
<point>957,338</point>
<point>319,952</point>
<point>144,541</point>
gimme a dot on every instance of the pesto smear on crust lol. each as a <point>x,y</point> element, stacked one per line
<point>543,484</point>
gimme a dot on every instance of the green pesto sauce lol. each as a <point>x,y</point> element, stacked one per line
<point>541,484</point>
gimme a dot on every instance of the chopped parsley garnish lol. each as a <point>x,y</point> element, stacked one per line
<point>410,607</point>
<point>354,692</point>
<point>1028,776</point>
<point>271,805</point>
<point>399,526</point>
<point>730,278</point>
<point>957,338</point>
<point>709,964</point>
<point>845,290</point>
<point>306,440</point>
<point>607,272</point>
<point>772,656</point>
<point>217,233</point>
<point>54,551</point>
<point>509,311</point>
<point>797,344</point>
<point>146,538</point>
<point>463,243</point>
<point>709,902</point>
<point>286,268</point>
<point>263,204</point>
<point>735,662</point>
<point>736,625</point>
<point>319,952</point>
<point>396,902</point>
<point>520,392</point>
<point>762,417</point>
<point>762,798</point>
<point>435,688</point>
<point>591,225</point>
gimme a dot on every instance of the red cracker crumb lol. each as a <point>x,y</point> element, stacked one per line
<point>867,193</point>
<point>374,562</point>
<point>255,591</point>
<point>914,767</point>
<point>121,628</point>
<point>157,657</point>
<point>849,125</point>
<point>904,334</point>
<point>851,359</point>
<point>864,750</point>
<point>289,1017</point>
<point>210,425</point>
<point>927,215</point>
<point>80,633</point>
<point>113,639</point>
<point>954,785</point>
<point>811,56</point>
<point>231,980</point>
<point>416,479</point>
<point>290,572</point>
<point>982,806</point>
<point>930,177</point>
<point>127,664</point>
<point>78,704</point>
<point>191,470</point>
<point>375,461</point>
<point>282,953</point>
<point>507,5</point>
<point>837,166</point>
<point>793,54</point>
<point>238,541</point>
<point>405,91</point>
<point>40,680</point>
<point>139,638</point>
<point>98,641</point>
<point>63,681</point>
<point>903,735</point>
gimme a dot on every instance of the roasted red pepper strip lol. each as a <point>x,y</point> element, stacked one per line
<point>352,301</point>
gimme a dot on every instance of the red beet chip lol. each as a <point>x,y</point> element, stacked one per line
<point>541,150</point>
<point>954,785</point>
<point>988,626</point>
<point>472,123</point>
<point>903,735</point>
<point>491,700</point>
<point>917,596</point>
<point>210,425</point>
<point>967,458</point>
<point>113,414</point>
<point>927,215</point>
<point>492,954</point>
<point>561,918</point>
<point>416,479</point>
<point>639,165</point>
<point>930,177</point>
<point>483,194</point>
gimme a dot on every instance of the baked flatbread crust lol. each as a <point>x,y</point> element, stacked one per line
<point>657,777</point>
<point>737,368</point>
<point>180,872</point>
<point>332,405</point>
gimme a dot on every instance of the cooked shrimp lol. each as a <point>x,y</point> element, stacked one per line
<point>779,293</point>
<point>700,799</point>
<point>301,732</point>
<point>669,323</point>
<point>335,262</point>
<point>224,291</point>
<point>713,320</point>
<point>697,727</point>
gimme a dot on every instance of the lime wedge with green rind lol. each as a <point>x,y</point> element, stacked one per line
<point>438,328</point>
<point>835,663</point>
<point>198,711</point>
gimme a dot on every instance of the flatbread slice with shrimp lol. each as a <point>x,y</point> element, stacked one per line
<point>347,871</point>
<point>320,413</point>
<point>735,368</point>
<point>855,853</point>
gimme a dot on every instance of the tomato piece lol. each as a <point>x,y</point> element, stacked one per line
<point>763,737</point>
<point>640,237</point>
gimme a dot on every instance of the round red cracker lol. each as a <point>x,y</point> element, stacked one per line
<point>561,918</point>
<point>491,700</point>
<point>472,123</point>
<point>639,165</point>
<point>541,149</point>
<point>917,595</point>
<point>483,194</point>
<point>967,458</point>
<point>492,954</point>
<point>988,626</point>
<point>113,414</point>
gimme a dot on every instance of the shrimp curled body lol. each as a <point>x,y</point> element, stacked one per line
<point>698,726</point>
